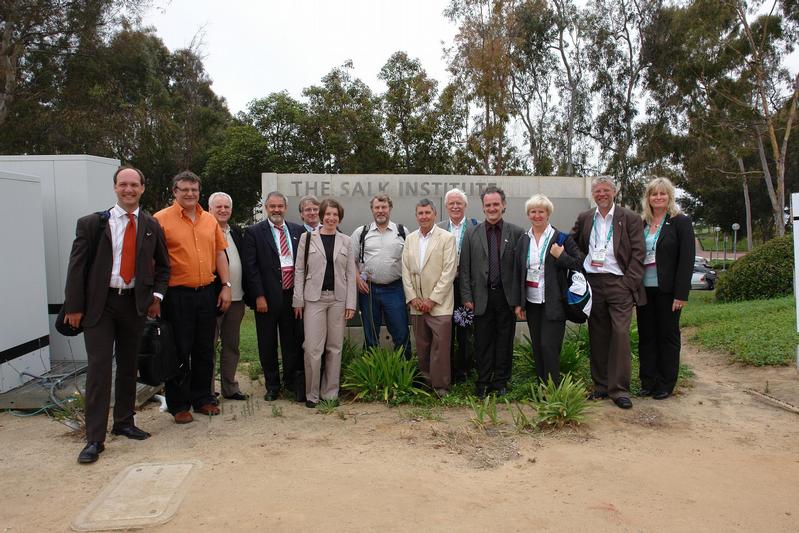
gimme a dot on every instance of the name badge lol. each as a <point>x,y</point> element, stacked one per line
<point>649,259</point>
<point>533,277</point>
<point>598,258</point>
<point>286,261</point>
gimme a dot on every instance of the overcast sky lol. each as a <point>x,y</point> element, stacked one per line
<point>254,48</point>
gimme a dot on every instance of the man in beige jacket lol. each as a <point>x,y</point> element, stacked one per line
<point>428,269</point>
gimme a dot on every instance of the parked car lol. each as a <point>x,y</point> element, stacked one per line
<point>704,277</point>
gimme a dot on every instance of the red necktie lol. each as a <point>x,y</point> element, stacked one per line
<point>127,268</point>
<point>286,272</point>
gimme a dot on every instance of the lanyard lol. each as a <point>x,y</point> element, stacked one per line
<point>463,231</point>
<point>544,241</point>
<point>609,235</point>
<point>657,234</point>
<point>277,238</point>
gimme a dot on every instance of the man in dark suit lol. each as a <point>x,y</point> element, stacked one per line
<point>269,254</point>
<point>115,279</point>
<point>612,238</point>
<point>228,325</point>
<point>486,283</point>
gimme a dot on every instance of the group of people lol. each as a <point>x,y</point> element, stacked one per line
<point>446,280</point>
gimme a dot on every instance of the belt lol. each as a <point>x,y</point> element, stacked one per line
<point>121,292</point>
<point>391,284</point>
<point>186,288</point>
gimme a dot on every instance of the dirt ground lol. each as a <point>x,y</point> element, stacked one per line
<point>712,458</point>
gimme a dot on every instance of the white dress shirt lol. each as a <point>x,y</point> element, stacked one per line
<point>599,240</point>
<point>118,223</point>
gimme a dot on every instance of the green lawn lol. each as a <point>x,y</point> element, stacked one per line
<point>760,332</point>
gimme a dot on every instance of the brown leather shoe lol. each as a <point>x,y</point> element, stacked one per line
<point>183,417</point>
<point>208,409</point>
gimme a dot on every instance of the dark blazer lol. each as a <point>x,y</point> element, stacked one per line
<point>473,268</point>
<point>554,274</point>
<point>674,256</point>
<point>87,294</point>
<point>260,260</point>
<point>628,246</point>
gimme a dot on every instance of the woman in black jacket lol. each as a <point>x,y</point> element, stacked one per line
<point>540,266</point>
<point>668,264</point>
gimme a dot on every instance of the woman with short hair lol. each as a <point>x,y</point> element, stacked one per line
<point>668,264</point>
<point>325,293</point>
<point>543,257</point>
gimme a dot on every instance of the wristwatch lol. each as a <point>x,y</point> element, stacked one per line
<point>227,284</point>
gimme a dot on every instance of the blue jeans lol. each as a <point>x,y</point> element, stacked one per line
<point>388,300</point>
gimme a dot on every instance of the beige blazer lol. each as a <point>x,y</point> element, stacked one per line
<point>308,287</point>
<point>434,279</point>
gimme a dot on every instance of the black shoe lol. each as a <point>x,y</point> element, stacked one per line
<point>310,405</point>
<point>501,391</point>
<point>644,392</point>
<point>623,402</point>
<point>271,395</point>
<point>480,392</point>
<point>236,396</point>
<point>661,395</point>
<point>131,432</point>
<point>91,452</point>
<point>597,395</point>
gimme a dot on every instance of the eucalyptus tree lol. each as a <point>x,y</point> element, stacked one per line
<point>480,62</point>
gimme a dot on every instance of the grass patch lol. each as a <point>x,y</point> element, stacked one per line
<point>757,332</point>
<point>382,374</point>
<point>326,406</point>
<point>562,404</point>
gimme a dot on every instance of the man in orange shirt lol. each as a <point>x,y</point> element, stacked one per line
<point>196,247</point>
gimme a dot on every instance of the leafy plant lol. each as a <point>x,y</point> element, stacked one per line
<point>326,406</point>
<point>485,411</point>
<point>520,420</point>
<point>560,405</point>
<point>254,370</point>
<point>349,351</point>
<point>71,412</point>
<point>523,358</point>
<point>381,374</point>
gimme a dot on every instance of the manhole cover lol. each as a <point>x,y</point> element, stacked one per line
<point>142,495</point>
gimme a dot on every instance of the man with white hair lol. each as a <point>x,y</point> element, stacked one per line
<point>455,202</point>
<point>612,238</point>
<point>228,325</point>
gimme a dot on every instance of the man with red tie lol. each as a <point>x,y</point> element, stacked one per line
<point>269,252</point>
<point>118,273</point>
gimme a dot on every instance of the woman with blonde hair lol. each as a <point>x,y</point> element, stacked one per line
<point>668,266</point>
<point>543,256</point>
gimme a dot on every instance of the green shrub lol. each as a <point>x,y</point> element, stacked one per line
<point>765,272</point>
<point>560,405</point>
<point>382,374</point>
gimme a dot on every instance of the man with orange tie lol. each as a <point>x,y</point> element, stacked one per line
<point>118,273</point>
<point>269,252</point>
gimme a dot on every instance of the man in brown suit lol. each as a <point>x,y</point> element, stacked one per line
<point>114,279</point>
<point>612,238</point>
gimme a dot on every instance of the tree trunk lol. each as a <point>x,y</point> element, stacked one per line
<point>748,204</point>
<point>776,208</point>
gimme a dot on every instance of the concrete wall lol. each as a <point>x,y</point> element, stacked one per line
<point>569,194</point>
<point>71,186</point>
<point>24,334</point>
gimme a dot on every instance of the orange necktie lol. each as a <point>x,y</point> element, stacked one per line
<point>128,266</point>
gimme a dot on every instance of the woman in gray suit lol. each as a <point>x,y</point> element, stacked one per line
<point>325,294</point>
<point>540,283</point>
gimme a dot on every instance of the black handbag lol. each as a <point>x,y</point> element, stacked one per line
<point>157,360</point>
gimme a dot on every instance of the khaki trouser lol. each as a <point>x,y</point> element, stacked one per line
<point>432,334</point>
<point>324,333</point>
<point>228,328</point>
